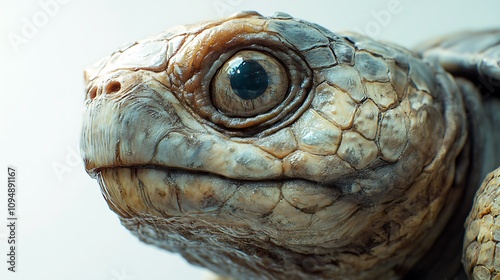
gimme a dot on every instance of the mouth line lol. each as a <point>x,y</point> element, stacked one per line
<point>237,181</point>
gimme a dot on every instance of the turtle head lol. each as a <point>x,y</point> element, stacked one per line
<point>274,147</point>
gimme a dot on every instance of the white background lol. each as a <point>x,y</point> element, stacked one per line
<point>65,230</point>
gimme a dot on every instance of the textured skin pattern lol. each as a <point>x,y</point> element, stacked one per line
<point>353,175</point>
<point>477,57</point>
<point>481,245</point>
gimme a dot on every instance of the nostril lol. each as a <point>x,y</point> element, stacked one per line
<point>113,87</point>
<point>93,93</point>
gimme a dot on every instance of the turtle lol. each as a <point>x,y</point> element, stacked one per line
<point>268,147</point>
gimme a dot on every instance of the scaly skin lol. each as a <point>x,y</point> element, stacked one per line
<point>476,55</point>
<point>351,175</point>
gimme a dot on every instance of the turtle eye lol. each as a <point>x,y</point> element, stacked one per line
<point>249,83</point>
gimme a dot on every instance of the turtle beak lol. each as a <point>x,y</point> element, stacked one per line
<point>90,74</point>
<point>92,71</point>
<point>87,74</point>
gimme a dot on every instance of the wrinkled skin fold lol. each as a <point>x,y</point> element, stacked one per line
<point>350,174</point>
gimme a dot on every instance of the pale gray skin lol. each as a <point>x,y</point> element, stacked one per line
<point>360,162</point>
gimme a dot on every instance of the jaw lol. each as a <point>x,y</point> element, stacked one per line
<point>297,207</point>
<point>285,228</point>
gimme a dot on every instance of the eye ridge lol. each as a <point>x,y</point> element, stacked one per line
<point>248,79</point>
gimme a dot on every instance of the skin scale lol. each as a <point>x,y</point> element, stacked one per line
<point>360,161</point>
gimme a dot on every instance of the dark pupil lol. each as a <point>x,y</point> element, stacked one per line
<point>248,79</point>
